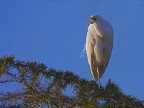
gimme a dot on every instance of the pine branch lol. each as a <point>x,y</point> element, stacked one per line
<point>37,86</point>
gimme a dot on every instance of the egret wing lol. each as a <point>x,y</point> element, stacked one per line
<point>90,45</point>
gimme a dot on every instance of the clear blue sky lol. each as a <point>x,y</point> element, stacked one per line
<point>54,32</point>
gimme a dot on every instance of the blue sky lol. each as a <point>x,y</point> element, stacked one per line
<point>54,32</point>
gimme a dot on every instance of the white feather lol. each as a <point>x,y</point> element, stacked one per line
<point>99,43</point>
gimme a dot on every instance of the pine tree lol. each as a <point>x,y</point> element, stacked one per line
<point>30,84</point>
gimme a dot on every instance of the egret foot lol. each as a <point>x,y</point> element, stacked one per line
<point>98,82</point>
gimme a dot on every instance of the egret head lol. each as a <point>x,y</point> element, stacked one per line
<point>93,18</point>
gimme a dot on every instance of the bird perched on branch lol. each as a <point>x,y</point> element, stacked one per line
<point>99,44</point>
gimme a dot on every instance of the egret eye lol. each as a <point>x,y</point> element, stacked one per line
<point>95,19</point>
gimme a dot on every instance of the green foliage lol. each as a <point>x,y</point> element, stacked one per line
<point>33,85</point>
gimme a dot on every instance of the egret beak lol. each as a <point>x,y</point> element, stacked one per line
<point>91,19</point>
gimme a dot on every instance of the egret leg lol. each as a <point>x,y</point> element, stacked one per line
<point>98,77</point>
<point>98,73</point>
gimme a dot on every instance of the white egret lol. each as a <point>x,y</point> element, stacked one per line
<point>99,44</point>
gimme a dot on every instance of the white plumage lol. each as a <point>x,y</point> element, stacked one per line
<point>99,43</point>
